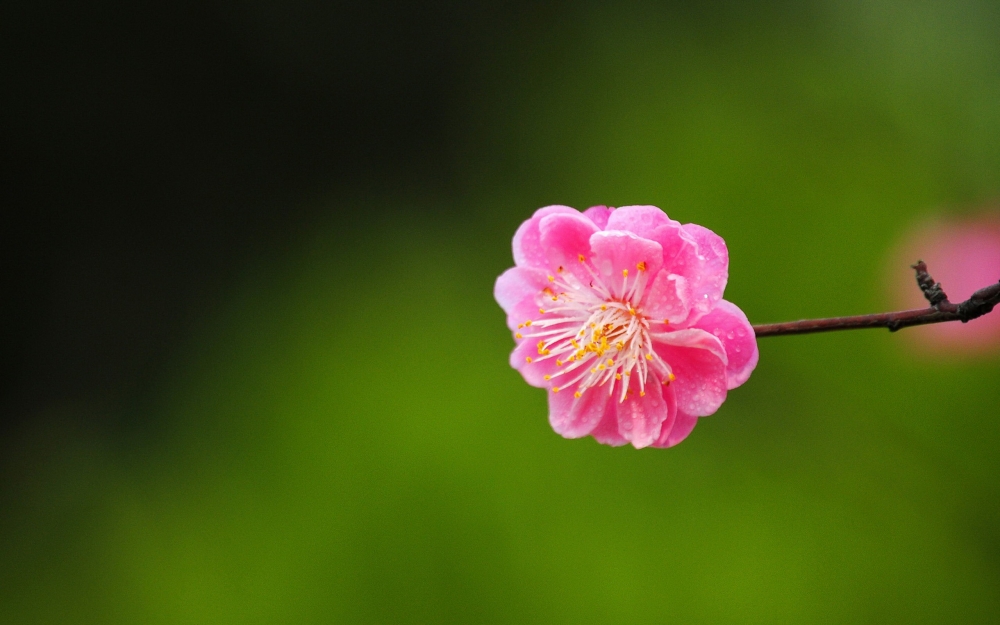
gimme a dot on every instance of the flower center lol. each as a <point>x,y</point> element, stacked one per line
<point>596,335</point>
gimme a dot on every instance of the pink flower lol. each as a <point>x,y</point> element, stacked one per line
<point>619,314</point>
<point>963,254</point>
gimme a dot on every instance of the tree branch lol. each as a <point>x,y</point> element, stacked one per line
<point>940,310</point>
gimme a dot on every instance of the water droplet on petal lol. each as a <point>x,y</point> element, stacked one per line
<point>730,335</point>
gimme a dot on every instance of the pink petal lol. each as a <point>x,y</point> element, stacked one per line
<point>566,238</point>
<point>599,215</point>
<point>649,222</point>
<point>728,324</point>
<point>573,417</point>
<point>606,431</point>
<point>528,250</point>
<point>683,425</point>
<point>534,372</point>
<point>641,418</point>
<point>616,251</point>
<point>518,284</point>
<point>698,361</point>
<point>706,267</point>
<point>525,310</point>
<point>667,298</point>
<point>643,221</point>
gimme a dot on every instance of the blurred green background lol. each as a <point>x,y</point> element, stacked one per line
<point>333,434</point>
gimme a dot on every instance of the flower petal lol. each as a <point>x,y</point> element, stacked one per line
<point>641,417</point>
<point>616,251</point>
<point>606,431</point>
<point>706,267</point>
<point>683,425</point>
<point>525,310</point>
<point>528,250</point>
<point>649,222</point>
<point>643,221</point>
<point>667,298</point>
<point>573,417</point>
<point>698,361</point>
<point>728,324</point>
<point>599,215</point>
<point>532,365</point>
<point>566,239</point>
<point>518,284</point>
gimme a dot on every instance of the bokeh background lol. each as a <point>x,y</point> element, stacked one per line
<point>252,367</point>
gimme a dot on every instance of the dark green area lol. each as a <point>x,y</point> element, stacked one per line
<point>343,441</point>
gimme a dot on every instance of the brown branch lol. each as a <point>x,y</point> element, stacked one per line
<point>940,310</point>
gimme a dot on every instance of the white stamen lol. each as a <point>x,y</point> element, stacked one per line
<point>597,334</point>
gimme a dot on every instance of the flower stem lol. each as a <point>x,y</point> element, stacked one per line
<point>940,310</point>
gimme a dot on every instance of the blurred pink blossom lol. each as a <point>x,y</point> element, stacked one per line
<point>619,314</point>
<point>963,254</point>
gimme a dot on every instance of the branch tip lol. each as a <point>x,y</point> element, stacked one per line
<point>982,302</point>
<point>932,290</point>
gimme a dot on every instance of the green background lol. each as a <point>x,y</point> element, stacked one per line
<point>341,439</point>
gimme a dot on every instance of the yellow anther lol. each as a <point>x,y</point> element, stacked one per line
<point>641,266</point>
<point>555,389</point>
<point>611,363</point>
<point>642,393</point>
<point>520,325</point>
<point>649,356</point>
<point>541,311</point>
<point>527,359</point>
<point>672,376</point>
<point>518,336</point>
<point>593,370</point>
<point>559,363</point>
<point>625,272</point>
<point>628,373</point>
<point>552,279</point>
<point>618,376</point>
<point>546,353</point>
<point>580,256</point>
<point>666,321</point>
<point>603,307</point>
<point>631,311</point>
<point>593,325</point>
<point>577,394</point>
<point>527,323</point>
<point>548,377</point>
<point>574,344</point>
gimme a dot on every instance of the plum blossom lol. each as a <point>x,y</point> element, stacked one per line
<point>963,254</point>
<point>619,315</point>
